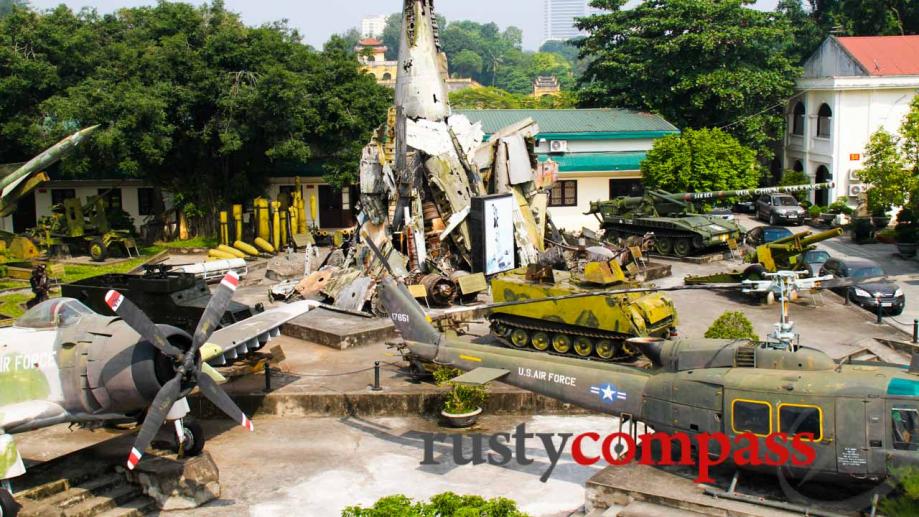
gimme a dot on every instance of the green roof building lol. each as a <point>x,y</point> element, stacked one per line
<point>598,152</point>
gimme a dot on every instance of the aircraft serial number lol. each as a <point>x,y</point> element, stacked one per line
<point>543,375</point>
<point>403,318</point>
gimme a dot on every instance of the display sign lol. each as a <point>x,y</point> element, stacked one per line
<point>855,157</point>
<point>492,231</point>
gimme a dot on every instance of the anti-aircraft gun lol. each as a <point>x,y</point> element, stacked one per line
<point>677,228</point>
<point>785,254</point>
<point>78,228</point>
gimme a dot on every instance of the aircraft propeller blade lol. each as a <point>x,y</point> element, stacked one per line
<point>137,320</point>
<point>214,311</point>
<point>156,416</point>
<point>215,394</point>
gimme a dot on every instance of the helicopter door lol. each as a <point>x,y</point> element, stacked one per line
<point>852,429</point>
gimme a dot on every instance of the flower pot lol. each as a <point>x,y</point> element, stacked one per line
<point>463,420</point>
<point>907,249</point>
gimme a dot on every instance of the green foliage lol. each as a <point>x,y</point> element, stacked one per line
<point>189,97</point>
<point>699,63</point>
<point>840,206</point>
<point>891,182</point>
<point>905,501</point>
<point>495,98</point>
<point>446,504</point>
<point>731,325</point>
<point>700,160</point>
<point>907,228</point>
<point>7,6</point>
<point>792,177</point>
<point>814,211</point>
<point>462,398</point>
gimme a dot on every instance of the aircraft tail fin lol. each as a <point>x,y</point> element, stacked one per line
<point>407,314</point>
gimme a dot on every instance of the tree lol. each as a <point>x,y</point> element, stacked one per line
<point>467,64</point>
<point>700,160</point>
<point>909,137</point>
<point>891,182</point>
<point>496,98</point>
<point>7,6</point>
<point>699,63</point>
<point>731,325</point>
<point>445,504</point>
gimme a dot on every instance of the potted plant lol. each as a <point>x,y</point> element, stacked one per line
<point>907,233</point>
<point>463,403</point>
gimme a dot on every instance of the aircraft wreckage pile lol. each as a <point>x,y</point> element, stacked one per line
<point>419,175</point>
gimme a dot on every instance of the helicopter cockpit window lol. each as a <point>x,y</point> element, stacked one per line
<point>795,419</point>
<point>750,416</point>
<point>57,312</point>
<point>905,429</point>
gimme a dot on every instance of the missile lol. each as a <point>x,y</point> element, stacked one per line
<point>421,88</point>
<point>47,158</point>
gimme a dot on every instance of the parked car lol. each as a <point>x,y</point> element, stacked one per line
<point>780,208</point>
<point>870,293</point>
<point>766,234</point>
<point>724,213</point>
<point>814,260</point>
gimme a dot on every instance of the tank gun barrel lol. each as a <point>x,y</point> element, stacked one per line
<point>801,241</point>
<point>704,196</point>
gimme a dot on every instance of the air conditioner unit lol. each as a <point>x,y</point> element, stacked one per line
<point>857,189</point>
<point>558,146</point>
<point>853,174</point>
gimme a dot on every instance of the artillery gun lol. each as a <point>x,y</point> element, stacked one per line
<point>594,327</point>
<point>78,228</point>
<point>783,254</point>
<point>678,229</point>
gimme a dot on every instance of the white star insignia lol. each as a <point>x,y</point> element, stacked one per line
<point>607,392</point>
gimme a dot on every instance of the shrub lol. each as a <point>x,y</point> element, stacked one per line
<point>905,500</point>
<point>840,206</point>
<point>447,504</point>
<point>814,211</point>
<point>462,398</point>
<point>731,325</point>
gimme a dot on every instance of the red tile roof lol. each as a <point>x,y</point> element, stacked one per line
<point>884,55</point>
<point>370,42</point>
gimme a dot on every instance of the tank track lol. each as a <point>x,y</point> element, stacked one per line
<point>621,351</point>
<point>673,235</point>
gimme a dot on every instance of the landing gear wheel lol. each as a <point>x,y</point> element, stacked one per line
<point>8,506</point>
<point>770,298</point>
<point>540,341</point>
<point>682,247</point>
<point>582,346</point>
<point>98,250</point>
<point>194,438</point>
<point>605,349</point>
<point>561,343</point>
<point>519,338</point>
<point>663,245</point>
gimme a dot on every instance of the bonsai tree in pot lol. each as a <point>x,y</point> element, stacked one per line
<point>463,403</point>
<point>907,232</point>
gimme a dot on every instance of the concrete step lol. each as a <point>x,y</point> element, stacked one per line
<point>99,504</point>
<point>645,509</point>
<point>54,503</point>
<point>136,507</point>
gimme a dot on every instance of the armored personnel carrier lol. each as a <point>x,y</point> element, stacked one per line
<point>678,229</point>
<point>590,327</point>
<point>168,297</point>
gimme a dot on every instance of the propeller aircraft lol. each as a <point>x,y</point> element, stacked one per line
<point>63,363</point>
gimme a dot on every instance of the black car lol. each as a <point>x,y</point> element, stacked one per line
<point>766,234</point>
<point>780,208</point>
<point>871,293</point>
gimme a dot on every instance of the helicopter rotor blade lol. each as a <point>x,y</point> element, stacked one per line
<point>219,398</point>
<point>137,320</point>
<point>156,415</point>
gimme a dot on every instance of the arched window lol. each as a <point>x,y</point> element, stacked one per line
<point>822,197</point>
<point>387,76</point>
<point>799,167</point>
<point>824,121</point>
<point>797,120</point>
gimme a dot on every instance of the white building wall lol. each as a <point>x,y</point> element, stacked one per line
<point>589,189</point>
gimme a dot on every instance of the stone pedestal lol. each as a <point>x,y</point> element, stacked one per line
<point>178,484</point>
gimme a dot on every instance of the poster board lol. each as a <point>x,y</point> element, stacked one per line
<point>492,233</point>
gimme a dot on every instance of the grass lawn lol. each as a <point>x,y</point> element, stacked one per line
<point>74,272</point>
<point>197,242</point>
<point>13,305</point>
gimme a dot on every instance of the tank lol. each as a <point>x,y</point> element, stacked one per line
<point>167,297</point>
<point>588,327</point>
<point>678,229</point>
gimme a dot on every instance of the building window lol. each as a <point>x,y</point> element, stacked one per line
<point>750,416</point>
<point>58,195</point>
<point>625,188</point>
<point>797,121</point>
<point>824,121</point>
<point>798,167</point>
<point>564,193</point>
<point>146,201</point>
<point>905,429</point>
<point>387,76</point>
<point>112,197</point>
<point>796,419</point>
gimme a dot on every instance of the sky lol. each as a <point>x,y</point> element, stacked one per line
<point>319,19</point>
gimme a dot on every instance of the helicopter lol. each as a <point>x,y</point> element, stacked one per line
<point>860,419</point>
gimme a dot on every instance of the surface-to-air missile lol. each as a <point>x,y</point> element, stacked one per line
<point>18,179</point>
<point>677,229</point>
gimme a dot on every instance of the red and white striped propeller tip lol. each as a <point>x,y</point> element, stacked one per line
<point>248,424</point>
<point>231,280</point>
<point>113,299</point>
<point>134,458</point>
